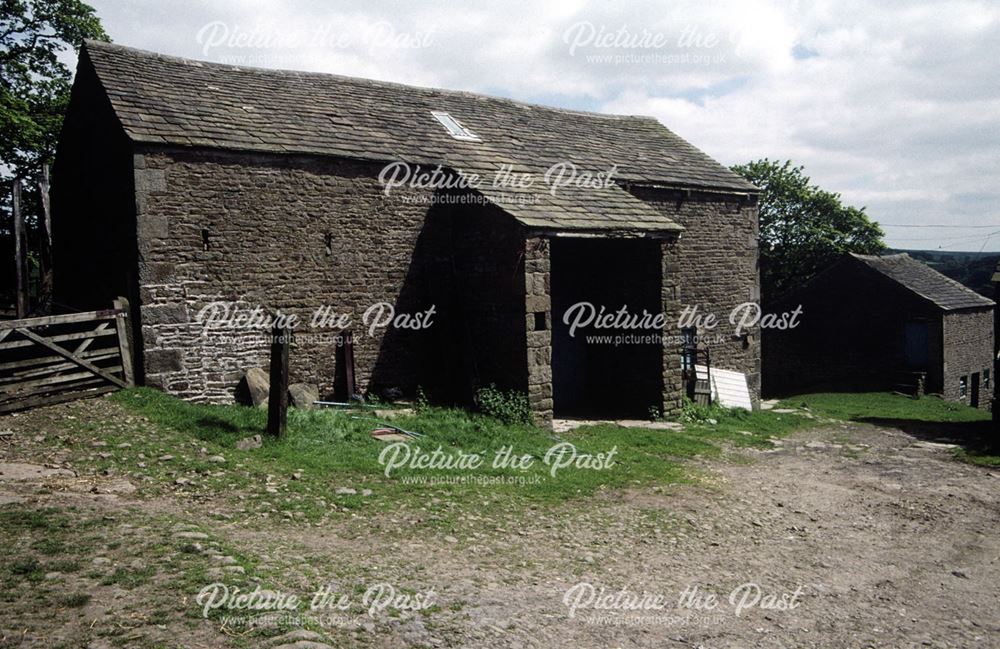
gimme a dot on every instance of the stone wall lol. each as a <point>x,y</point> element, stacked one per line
<point>968,350</point>
<point>717,262</point>
<point>673,385</point>
<point>286,233</point>
<point>539,334</point>
<point>294,234</point>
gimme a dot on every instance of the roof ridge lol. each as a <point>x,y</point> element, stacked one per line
<point>894,255</point>
<point>91,43</point>
<point>913,285</point>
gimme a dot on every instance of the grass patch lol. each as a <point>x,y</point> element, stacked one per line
<point>76,600</point>
<point>25,567</point>
<point>867,406</point>
<point>327,449</point>
<point>989,458</point>
<point>130,577</point>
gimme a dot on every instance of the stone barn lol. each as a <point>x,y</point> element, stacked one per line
<point>884,323</point>
<point>464,240</point>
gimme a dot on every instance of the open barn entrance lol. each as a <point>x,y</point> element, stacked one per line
<point>605,371</point>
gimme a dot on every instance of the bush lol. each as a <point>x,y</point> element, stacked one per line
<point>693,413</point>
<point>422,403</point>
<point>510,407</point>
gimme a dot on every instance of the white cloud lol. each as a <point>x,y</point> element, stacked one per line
<point>893,105</point>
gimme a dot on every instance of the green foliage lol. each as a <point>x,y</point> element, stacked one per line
<point>421,403</point>
<point>692,412</point>
<point>510,407</point>
<point>34,84</point>
<point>803,228</point>
<point>34,94</point>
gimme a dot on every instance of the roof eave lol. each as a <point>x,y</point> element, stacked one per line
<point>667,232</point>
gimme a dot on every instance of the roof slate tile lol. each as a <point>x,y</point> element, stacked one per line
<point>926,282</point>
<point>162,99</point>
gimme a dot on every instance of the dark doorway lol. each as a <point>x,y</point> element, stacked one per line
<point>605,371</point>
<point>915,340</point>
<point>974,394</point>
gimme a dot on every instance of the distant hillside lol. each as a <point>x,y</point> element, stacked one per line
<point>974,269</point>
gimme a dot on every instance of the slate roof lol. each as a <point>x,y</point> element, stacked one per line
<point>167,100</point>
<point>926,282</point>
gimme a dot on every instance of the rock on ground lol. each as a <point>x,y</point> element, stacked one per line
<point>302,395</point>
<point>254,387</point>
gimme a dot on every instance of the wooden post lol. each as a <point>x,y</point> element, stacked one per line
<point>277,398</point>
<point>124,329</point>
<point>43,191</point>
<point>349,364</point>
<point>20,259</point>
<point>45,242</point>
<point>708,370</point>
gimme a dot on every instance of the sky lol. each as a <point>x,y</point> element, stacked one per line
<point>894,105</point>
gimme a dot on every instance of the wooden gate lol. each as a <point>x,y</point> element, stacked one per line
<point>64,357</point>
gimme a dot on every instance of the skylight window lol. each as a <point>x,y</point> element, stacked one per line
<point>455,128</point>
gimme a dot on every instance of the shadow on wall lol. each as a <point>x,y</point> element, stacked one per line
<point>403,353</point>
<point>468,266</point>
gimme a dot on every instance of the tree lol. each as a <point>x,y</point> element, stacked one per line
<point>34,93</point>
<point>34,83</point>
<point>803,228</point>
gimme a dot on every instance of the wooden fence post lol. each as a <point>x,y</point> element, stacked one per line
<point>124,328</point>
<point>20,254</point>
<point>45,243</point>
<point>348,343</point>
<point>277,398</point>
<point>43,190</point>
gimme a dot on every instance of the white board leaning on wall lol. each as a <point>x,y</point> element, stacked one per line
<point>729,388</point>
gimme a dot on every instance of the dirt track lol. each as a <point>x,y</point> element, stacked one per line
<point>888,541</point>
